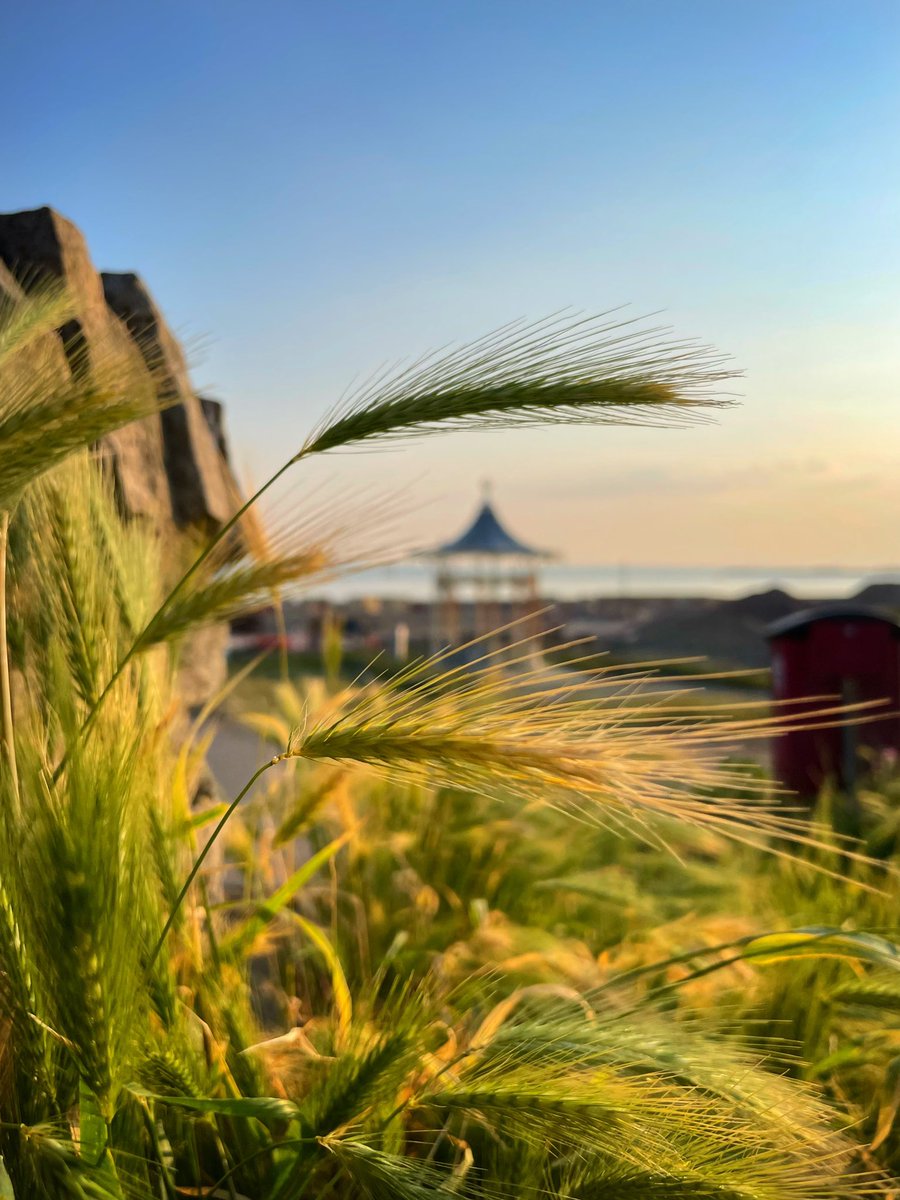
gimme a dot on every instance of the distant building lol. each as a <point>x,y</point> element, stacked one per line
<point>846,653</point>
<point>485,579</point>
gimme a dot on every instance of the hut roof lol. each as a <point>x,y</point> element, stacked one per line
<point>796,623</point>
<point>486,535</point>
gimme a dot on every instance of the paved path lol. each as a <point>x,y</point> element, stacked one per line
<point>235,754</point>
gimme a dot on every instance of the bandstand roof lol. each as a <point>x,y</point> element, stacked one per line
<point>486,535</point>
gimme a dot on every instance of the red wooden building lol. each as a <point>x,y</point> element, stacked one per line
<point>849,652</point>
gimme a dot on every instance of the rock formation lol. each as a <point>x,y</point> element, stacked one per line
<point>170,469</point>
<point>200,484</point>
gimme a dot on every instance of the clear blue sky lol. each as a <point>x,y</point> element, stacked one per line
<point>313,188</point>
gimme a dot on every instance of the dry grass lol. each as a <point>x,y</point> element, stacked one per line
<point>604,746</point>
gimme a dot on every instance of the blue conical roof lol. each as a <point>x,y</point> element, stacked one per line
<point>487,536</point>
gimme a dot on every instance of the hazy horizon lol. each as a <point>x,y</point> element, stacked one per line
<point>314,189</point>
<point>579,582</point>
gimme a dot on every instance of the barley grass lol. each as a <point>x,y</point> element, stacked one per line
<point>560,370</point>
<point>605,748</point>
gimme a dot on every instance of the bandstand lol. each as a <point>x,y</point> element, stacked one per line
<point>484,580</point>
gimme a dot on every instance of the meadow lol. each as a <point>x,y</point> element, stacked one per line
<point>464,932</point>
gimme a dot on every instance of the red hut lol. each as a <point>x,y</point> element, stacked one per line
<point>847,651</point>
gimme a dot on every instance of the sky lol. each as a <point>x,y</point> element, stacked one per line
<point>311,189</point>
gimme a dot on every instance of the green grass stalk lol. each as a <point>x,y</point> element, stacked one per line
<point>5,688</point>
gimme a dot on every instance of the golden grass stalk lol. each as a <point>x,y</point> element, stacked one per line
<point>608,749</point>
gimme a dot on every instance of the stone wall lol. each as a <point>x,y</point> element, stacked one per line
<point>170,469</point>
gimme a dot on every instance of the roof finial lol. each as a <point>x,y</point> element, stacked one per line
<point>486,490</point>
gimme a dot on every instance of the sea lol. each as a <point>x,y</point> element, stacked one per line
<point>415,581</point>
